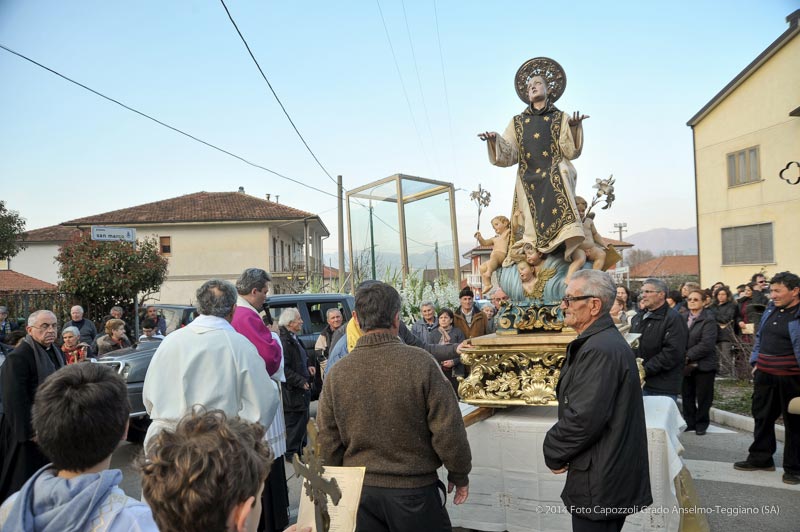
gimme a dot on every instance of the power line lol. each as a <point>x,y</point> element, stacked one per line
<point>419,83</point>
<point>444,82</point>
<point>402,84</point>
<point>249,51</point>
<point>159,122</point>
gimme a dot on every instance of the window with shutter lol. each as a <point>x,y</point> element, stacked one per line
<point>743,167</point>
<point>747,244</point>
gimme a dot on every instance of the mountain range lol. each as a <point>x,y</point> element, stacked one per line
<point>663,240</point>
<point>658,241</point>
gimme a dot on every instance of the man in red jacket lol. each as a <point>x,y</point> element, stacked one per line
<point>252,287</point>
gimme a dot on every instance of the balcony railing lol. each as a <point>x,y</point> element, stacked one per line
<point>293,266</point>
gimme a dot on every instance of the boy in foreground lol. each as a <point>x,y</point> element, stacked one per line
<point>207,474</point>
<point>80,414</point>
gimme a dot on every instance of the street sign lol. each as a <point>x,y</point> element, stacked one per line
<point>127,234</point>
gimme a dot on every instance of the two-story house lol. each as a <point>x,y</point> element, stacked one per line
<point>218,234</point>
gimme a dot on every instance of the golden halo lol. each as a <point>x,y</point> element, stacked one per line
<point>550,70</point>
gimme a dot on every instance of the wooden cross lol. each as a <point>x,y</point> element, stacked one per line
<point>317,488</point>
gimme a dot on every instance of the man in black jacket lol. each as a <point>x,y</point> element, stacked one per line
<point>662,345</point>
<point>296,391</point>
<point>25,368</point>
<point>600,439</point>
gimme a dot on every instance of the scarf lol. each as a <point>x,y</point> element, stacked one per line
<point>74,354</point>
<point>445,335</point>
<point>353,334</point>
<point>44,363</point>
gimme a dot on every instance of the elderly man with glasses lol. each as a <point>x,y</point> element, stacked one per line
<point>600,439</point>
<point>662,345</point>
<point>24,369</point>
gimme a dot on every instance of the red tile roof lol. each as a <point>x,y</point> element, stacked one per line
<point>198,207</point>
<point>11,281</point>
<point>329,272</point>
<point>54,233</point>
<point>667,267</point>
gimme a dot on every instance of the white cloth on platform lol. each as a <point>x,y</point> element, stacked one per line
<point>512,489</point>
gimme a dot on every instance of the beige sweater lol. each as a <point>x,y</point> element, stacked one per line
<point>388,407</point>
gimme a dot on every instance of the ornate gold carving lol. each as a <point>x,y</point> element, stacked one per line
<point>512,318</point>
<point>509,375</point>
<point>518,370</point>
<point>542,276</point>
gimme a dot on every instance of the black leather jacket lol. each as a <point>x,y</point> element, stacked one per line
<point>600,433</point>
<point>701,347</point>
<point>662,346</point>
<point>295,366</point>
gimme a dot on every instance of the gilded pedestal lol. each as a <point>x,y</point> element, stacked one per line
<point>520,369</point>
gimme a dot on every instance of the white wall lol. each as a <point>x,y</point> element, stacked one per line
<point>37,260</point>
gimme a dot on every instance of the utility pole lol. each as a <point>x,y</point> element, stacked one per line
<point>436,251</point>
<point>341,232</point>
<point>621,228</point>
<point>372,242</point>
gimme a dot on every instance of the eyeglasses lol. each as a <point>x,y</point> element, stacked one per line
<point>650,291</point>
<point>46,327</point>
<point>568,299</point>
<point>693,299</point>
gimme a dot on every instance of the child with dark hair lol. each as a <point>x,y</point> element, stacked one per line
<point>207,474</point>
<point>80,414</point>
<point>150,331</point>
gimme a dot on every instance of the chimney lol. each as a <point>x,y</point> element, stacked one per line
<point>793,18</point>
<point>268,195</point>
<point>241,190</point>
<point>277,198</point>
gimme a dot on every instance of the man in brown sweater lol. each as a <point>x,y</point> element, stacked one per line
<point>388,407</point>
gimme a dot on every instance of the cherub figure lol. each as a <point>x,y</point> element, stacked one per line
<point>499,243</point>
<point>527,274</point>
<point>591,248</point>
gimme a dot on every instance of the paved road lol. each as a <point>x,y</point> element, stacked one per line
<point>736,501</point>
<point>739,501</point>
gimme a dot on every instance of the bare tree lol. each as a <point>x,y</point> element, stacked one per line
<point>638,256</point>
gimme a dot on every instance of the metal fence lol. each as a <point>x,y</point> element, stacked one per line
<point>21,304</point>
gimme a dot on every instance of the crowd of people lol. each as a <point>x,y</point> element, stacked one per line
<point>229,394</point>
<point>690,335</point>
<point>80,338</point>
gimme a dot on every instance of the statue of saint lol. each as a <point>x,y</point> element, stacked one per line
<point>542,141</point>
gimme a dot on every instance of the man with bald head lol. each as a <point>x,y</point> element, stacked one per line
<point>25,368</point>
<point>86,327</point>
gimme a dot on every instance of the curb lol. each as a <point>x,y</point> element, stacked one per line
<point>738,421</point>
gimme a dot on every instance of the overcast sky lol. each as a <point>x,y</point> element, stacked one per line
<point>368,106</point>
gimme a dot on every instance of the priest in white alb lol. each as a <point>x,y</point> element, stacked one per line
<point>208,363</point>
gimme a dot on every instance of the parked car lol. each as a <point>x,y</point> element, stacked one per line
<point>313,309</point>
<point>176,316</point>
<point>132,363</point>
